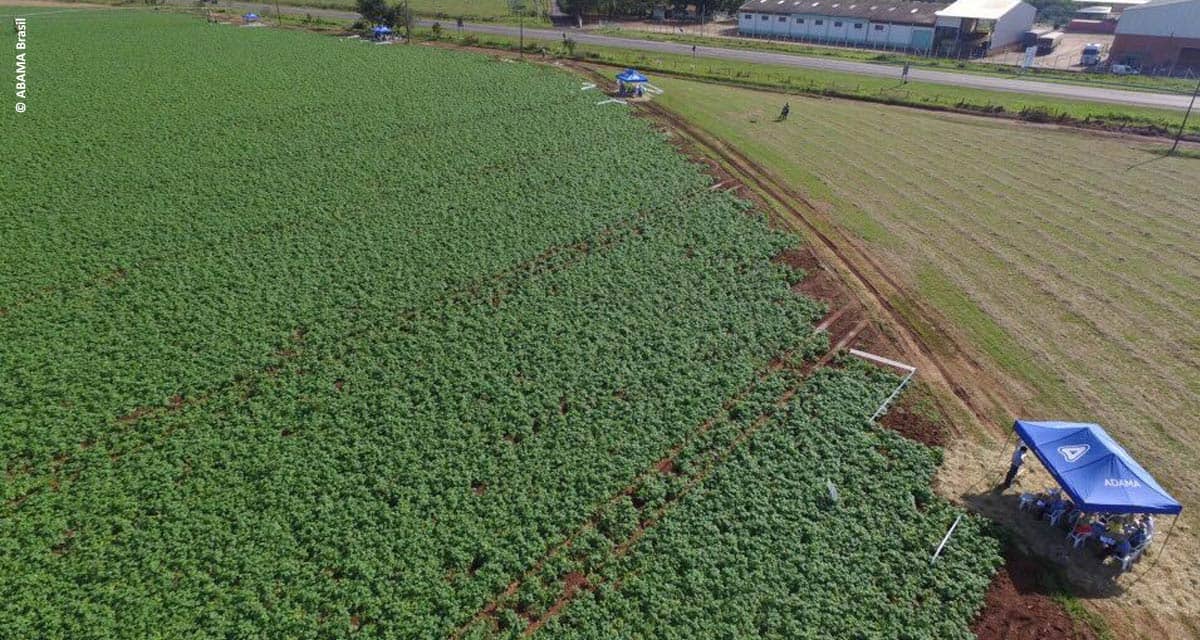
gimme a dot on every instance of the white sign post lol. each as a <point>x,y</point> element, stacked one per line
<point>1030,52</point>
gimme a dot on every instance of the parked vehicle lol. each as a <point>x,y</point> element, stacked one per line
<point>1048,42</point>
<point>1123,70</point>
<point>1092,53</point>
<point>1030,38</point>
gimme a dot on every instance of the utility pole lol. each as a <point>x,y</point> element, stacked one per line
<point>1185,119</point>
<point>407,23</point>
<point>278,16</point>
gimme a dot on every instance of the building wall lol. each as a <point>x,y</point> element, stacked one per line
<point>1149,51</point>
<point>877,34</point>
<point>1011,25</point>
<point>780,26</point>
<point>1181,19</point>
<point>900,35</point>
<point>922,38</point>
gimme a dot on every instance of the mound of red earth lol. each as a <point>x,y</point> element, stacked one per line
<point>915,426</point>
<point>1018,607</point>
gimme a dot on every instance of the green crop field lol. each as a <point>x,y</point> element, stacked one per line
<point>1068,260</point>
<point>308,337</point>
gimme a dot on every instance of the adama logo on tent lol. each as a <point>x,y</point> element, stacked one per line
<point>1073,452</point>
<point>1121,482</point>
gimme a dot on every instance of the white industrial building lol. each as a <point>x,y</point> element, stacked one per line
<point>975,25</point>
<point>985,25</point>
<point>890,24</point>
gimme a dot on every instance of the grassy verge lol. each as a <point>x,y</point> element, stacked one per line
<point>1132,83</point>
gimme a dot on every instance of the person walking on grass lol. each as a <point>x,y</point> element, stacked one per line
<point>904,74</point>
<point>783,114</point>
<point>1018,458</point>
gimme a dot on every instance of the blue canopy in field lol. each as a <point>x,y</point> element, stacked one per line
<point>250,17</point>
<point>381,30</point>
<point>631,75</point>
<point>1098,474</point>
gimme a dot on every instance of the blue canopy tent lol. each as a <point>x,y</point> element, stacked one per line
<point>1096,472</point>
<point>381,31</point>
<point>250,17</point>
<point>630,77</point>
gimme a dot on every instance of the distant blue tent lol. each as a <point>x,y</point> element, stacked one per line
<point>631,76</point>
<point>250,17</point>
<point>1098,474</point>
<point>381,30</point>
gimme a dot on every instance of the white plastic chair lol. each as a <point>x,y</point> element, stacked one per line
<point>1134,555</point>
<point>1026,500</point>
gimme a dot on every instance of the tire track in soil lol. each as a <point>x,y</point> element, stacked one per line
<point>489,288</point>
<point>846,323</point>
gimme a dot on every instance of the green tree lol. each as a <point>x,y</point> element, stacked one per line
<point>380,12</point>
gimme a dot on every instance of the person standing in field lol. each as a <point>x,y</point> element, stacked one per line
<point>783,114</point>
<point>904,74</point>
<point>1018,458</point>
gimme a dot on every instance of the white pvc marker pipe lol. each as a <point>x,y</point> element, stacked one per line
<point>944,540</point>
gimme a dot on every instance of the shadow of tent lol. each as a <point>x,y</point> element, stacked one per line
<point>1086,574</point>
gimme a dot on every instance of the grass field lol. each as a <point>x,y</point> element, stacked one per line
<point>306,337</point>
<point>1069,261</point>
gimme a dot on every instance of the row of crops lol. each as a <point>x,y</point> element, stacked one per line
<point>302,338</point>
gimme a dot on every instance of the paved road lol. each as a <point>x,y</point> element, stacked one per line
<point>1029,87</point>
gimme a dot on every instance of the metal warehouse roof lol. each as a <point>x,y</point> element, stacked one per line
<point>1162,18</point>
<point>1159,3</point>
<point>979,9</point>
<point>901,11</point>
